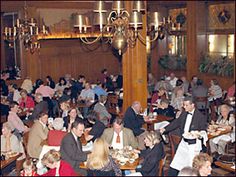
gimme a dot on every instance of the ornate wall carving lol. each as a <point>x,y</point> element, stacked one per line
<point>175,12</point>
<point>216,22</point>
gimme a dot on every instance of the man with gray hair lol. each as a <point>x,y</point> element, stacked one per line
<point>41,106</point>
<point>134,121</point>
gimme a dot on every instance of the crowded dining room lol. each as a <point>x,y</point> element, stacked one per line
<point>117,88</point>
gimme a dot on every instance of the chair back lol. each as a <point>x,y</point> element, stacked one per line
<point>161,165</point>
<point>112,103</point>
<point>25,142</point>
<point>203,101</point>
<point>112,100</point>
<point>174,141</point>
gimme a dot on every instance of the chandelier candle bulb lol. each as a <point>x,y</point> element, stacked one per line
<point>164,20</point>
<point>178,26</point>
<point>37,30</point>
<point>14,31</point>
<point>173,26</point>
<point>43,29</point>
<point>169,19</point>
<point>17,23</point>
<point>31,30</point>
<point>6,30</point>
<point>9,32</point>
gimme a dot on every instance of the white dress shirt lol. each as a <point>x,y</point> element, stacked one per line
<point>188,121</point>
<point>116,145</point>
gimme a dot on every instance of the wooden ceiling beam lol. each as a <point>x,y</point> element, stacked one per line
<point>12,6</point>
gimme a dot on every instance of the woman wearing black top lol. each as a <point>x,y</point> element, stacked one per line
<point>50,82</point>
<point>97,128</point>
<point>152,155</point>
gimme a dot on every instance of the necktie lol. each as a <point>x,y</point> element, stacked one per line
<point>118,138</point>
<point>189,113</point>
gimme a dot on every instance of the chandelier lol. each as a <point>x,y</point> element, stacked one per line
<point>26,30</point>
<point>121,28</point>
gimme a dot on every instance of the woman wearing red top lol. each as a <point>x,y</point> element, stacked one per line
<point>26,102</point>
<point>55,136</point>
<point>58,167</point>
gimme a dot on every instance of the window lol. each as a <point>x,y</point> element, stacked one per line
<point>177,45</point>
<point>221,45</point>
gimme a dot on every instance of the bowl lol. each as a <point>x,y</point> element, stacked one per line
<point>131,160</point>
<point>122,162</point>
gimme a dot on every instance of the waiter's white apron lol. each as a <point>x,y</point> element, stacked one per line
<point>185,154</point>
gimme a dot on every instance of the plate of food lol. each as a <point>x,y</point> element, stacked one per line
<point>221,129</point>
<point>189,135</point>
<point>11,154</point>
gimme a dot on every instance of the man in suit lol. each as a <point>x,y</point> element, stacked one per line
<point>101,109</point>
<point>118,137</point>
<point>38,133</point>
<point>71,147</point>
<point>189,120</point>
<point>134,121</point>
<point>41,106</point>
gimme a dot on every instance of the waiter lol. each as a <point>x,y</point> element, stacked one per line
<point>189,120</point>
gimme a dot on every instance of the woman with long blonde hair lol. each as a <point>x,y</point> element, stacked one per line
<point>100,162</point>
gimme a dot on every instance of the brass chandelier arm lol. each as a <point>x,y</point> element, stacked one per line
<point>155,37</point>
<point>86,41</point>
<point>141,39</point>
<point>144,41</point>
<point>125,12</point>
<point>109,16</point>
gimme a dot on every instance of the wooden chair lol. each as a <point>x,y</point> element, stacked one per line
<point>112,103</point>
<point>25,142</point>
<point>230,148</point>
<point>174,141</point>
<point>161,165</point>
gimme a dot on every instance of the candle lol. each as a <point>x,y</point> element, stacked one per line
<point>37,30</point>
<point>14,31</point>
<point>31,30</point>
<point>6,30</point>
<point>178,26</point>
<point>164,20</point>
<point>9,31</point>
<point>32,20</point>
<point>18,23</point>
<point>169,19</point>
<point>43,29</point>
<point>173,26</point>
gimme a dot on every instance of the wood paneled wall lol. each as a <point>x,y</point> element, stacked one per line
<point>59,57</point>
<point>197,44</point>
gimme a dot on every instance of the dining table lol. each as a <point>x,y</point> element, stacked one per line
<point>156,119</point>
<point>226,166</point>
<point>126,166</point>
<point>223,132</point>
<point>218,132</point>
<point>7,164</point>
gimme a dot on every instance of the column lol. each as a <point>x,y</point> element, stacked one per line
<point>134,64</point>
